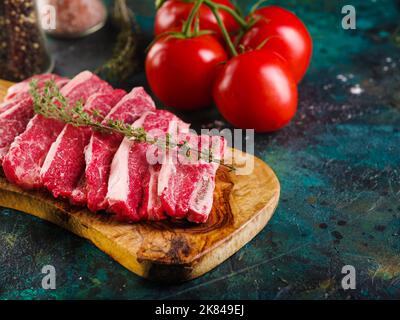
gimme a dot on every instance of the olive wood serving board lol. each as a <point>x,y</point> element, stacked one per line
<point>168,251</point>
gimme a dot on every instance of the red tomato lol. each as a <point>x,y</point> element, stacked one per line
<point>287,36</point>
<point>181,72</point>
<point>173,13</point>
<point>256,90</point>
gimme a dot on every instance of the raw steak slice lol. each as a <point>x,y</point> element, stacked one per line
<point>102,147</point>
<point>12,123</point>
<point>65,163</point>
<point>21,89</point>
<point>186,187</point>
<point>151,207</point>
<point>133,178</point>
<point>14,117</point>
<point>83,86</point>
<point>7,105</point>
<point>23,162</point>
<point>201,199</point>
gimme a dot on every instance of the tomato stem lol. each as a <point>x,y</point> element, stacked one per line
<point>242,32</point>
<point>225,32</point>
<point>187,27</point>
<point>215,7</point>
<point>257,5</point>
<point>242,22</point>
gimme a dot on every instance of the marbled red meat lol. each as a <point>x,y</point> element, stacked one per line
<point>65,163</point>
<point>21,89</point>
<point>16,112</point>
<point>186,186</point>
<point>132,176</point>
<point>23,163</point>
<point>107,171</point>
<point>12,123</point>
<point>102,146</point>
<point>7,105</point>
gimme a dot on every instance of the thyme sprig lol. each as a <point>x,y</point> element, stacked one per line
<point>51,103</point>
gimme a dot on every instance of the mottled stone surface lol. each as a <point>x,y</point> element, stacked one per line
<point>338,163</point>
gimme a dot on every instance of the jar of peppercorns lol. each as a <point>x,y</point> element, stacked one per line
<point>23,51</point>
<point>72,19</point>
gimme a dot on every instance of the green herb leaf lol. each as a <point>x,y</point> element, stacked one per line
<point>50,103</point>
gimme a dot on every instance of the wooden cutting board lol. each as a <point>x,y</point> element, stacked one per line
<point>167,251</point>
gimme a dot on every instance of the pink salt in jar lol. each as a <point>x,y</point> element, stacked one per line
<point>72,18</point>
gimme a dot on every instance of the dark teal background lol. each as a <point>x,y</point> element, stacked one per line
<point>338,163</point>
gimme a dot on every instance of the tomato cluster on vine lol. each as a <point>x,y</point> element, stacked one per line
<point>205,51</point>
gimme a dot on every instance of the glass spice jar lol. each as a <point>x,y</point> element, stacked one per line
<point>23,51</point>
<point>73,18</point>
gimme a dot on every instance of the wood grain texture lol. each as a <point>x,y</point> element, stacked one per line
<point>4,85</point>
<point>169,251</point>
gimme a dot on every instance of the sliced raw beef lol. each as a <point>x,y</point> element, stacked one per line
<point>132,187</point>
<point>65,163</point>
<point>21,89</point>
<point>102,147</point>
<point>12,123</point>
<point>83,86</point>
<point>7,105</point>
<point>15,115</point>
<point>202,197</point>
<point>23,162</point>
<point>186,187</point>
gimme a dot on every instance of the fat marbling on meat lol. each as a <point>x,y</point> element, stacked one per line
<point>103,146</point>
<point>23,163</point>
